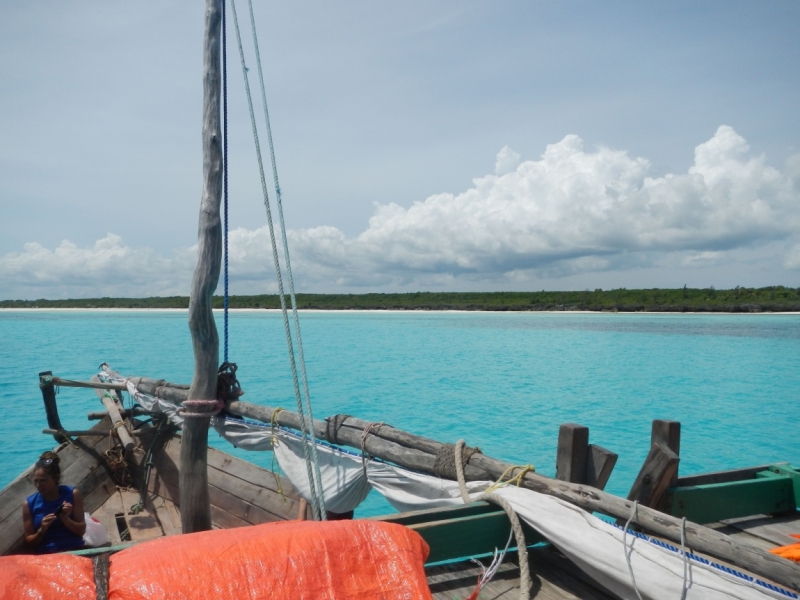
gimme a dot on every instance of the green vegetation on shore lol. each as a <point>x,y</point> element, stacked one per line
<point>768,299</point>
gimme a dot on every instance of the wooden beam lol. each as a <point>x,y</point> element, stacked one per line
<point>768,494</point>
<point>722,476</point>
<point>125,414</point>
<point>573,450</point>
<point>97,385</point>
<point>87,432</point>
<point>124,435</point>
<point>655,476</point>
<point>195,502</point>
<point>600,462</point>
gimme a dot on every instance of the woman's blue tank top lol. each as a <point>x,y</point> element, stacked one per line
<point>57,537</point>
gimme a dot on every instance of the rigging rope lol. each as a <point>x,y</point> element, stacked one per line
<point>306,423</point>
<point>279,201</point>
<point>225,173</point>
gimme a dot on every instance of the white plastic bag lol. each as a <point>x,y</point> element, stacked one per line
<point>96,535</point>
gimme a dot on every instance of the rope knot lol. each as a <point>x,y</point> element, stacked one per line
<point>445,464</point>
<point>201,408</point>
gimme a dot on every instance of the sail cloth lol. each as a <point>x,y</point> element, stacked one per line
<point>596,546</point>
<point>347,479</point>
<point>241,434</point>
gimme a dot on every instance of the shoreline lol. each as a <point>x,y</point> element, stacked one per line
<point>403,311</point>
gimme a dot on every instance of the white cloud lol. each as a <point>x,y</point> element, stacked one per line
<point>792,258</point>
<point>572,211</point>
<point>507,161</point>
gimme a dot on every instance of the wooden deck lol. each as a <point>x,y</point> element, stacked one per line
<point>553,577</point>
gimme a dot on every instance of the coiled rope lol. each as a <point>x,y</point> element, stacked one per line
<point>306,421</point>
<point>516,526</point>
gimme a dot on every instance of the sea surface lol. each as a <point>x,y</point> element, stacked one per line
<point>502,381</point>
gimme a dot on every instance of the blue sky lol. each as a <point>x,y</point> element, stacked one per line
<point>441,146</point>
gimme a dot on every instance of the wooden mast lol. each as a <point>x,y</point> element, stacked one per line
<point>194,498</point>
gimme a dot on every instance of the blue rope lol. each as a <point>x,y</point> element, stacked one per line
<point>225,174</point>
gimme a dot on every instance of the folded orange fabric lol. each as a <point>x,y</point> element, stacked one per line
<point>792,551</point>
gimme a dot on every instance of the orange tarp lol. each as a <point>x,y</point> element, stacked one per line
<point>294,560</point>
<point>47,577</point>
<point>792,551</point>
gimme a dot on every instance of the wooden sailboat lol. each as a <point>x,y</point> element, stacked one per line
<point>144,480</point>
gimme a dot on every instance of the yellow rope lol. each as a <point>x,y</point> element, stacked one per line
<point>517,479</point>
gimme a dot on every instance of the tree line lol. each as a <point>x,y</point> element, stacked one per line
<point>738,299</point>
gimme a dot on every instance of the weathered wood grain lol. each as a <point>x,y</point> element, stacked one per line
<point>599,465</point>
<point>195,507</point>
<point>572,453</point>
<point>655,476</point>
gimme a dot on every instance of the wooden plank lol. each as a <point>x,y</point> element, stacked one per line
<point>107,515</point>
<point>163,516</point>
<point>572,454</point>
<point>222,519</point>
<point>438,514</point>
<point>255,515</point>
<point>722,476</point>
<point>654,477</point>
<point>719,501</point>
<point>103,488</point>
<point>174,515</point>
<point>600,462</point>
<point>224,472</point>
<point>143,525</point>
<point>776,530</point>
<point>469,536</point>
<point>552,578</point>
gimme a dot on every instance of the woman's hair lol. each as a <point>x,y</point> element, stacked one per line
<point>48,462</point>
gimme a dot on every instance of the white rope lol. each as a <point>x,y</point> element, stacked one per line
<point>306,425</point>
<point>685,588</point>
<point>625,548</point>
<point>278,197</point>
<point>516,527</point>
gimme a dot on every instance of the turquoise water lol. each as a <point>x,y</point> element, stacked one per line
<point>502,381</point>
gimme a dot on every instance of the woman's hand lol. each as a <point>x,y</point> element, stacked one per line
<point>66,510</point>
<point>46,522</point>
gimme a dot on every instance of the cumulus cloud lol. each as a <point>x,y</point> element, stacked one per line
<point>571,211</point>
<point>109,268</point>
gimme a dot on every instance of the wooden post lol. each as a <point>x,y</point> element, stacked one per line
<point>50,406</point>
<point>668,434</point>
<point>573,448</point>
<point>655,476</point>
<point>194,498</point>
<point>599,465</point>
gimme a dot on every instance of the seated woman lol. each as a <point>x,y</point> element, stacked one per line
<point>52,517</point>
